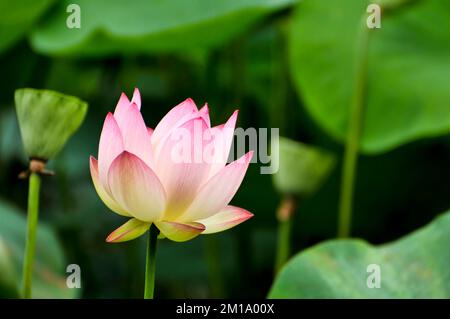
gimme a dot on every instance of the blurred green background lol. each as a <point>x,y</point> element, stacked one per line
<point>283,63</point>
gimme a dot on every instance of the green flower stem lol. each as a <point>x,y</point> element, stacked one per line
<point>30,246</point>
<point>150,265</point>
<point>284,243</point>
<point>214,271</point>
<point>353,135</point>
<point>282,120</point>
<point>285,216</point>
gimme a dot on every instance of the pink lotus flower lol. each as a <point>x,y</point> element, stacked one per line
<point>139,173</point>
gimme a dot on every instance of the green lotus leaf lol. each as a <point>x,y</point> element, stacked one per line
<point>17,17</point>
<point>49,278</point>
<point>141,26</point>
<point>407,94</point>
<point>415,266</point>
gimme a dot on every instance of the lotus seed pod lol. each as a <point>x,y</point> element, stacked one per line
<point>302,168</point>
<point>47,119</point>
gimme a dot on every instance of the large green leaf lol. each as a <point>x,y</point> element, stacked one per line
<point>16,17</point>
<point>408,94</point>
<point>416,266</point>
<point>49,280</point>
<point>112,26</point>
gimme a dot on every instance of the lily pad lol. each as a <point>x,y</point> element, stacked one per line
<point>415,266</point>
<point>408,63</point>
